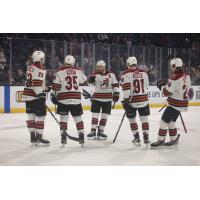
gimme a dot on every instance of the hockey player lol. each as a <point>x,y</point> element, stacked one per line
<point>67,95</point>
<point>35,97</point>
<point>135,85</point>
<point>106,90</point>
<point>177,92</point>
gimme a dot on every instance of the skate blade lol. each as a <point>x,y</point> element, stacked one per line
<point>101,139</point>
<point>108,142</point>
<point>39,144</point>
<point>33,144</point>
<point>147,146</point>
<point>91,138</point>
<point>138,144</point>
<point>82,145</point>
<point>63,146</point>
<point>159,147</point>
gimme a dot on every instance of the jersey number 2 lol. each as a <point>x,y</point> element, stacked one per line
<point>185,93</point>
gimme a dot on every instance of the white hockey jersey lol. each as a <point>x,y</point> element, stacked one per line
<point>35,82</point>
<point>177,91</point>
<point>135,84</point>
<point>66,85</point>
<point>104,87</point>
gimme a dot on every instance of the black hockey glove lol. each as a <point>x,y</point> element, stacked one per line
<point>91,79</point>
<point>116,96</point>
<point>42,97</point>
<point>160,84</point>
<point>48,88</point>
<point>54,99</point>
<point>126,105</point>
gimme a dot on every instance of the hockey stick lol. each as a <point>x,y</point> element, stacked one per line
<point>69,136</point>
<point>183,123</point>
<point>119,128</point>
<point>162,108</point>
<point>86,94</point>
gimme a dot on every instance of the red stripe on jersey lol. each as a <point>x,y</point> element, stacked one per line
<point>56,86</point>
<point>126,86</point>
<point>69,95</point>
<point>139,98</point>
<point>37,83</point>
<point>29,92</point>
<point>166,92</point>
<point>115,85</point>
<point>102,95</point>
<point>177,103</point>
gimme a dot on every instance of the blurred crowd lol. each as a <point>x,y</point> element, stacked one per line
<point>178,40</point>
<point>15,54</point>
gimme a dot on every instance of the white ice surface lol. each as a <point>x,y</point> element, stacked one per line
<point>15,148</point>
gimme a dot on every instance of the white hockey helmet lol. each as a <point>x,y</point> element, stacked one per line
<point>70,60</point>
<point>131,61</point>
<point>101,63</point>
<point>177,62</point>
<point>38,56</point>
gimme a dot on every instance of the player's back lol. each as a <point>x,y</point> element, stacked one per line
<point>66,84</point>
<point>178,88</point>
<point>139,83</point>
<point>35,81</point>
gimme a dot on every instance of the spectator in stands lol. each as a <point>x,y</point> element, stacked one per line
<point>49,78</point>
<point>19,78</point>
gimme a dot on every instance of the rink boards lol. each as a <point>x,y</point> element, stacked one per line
<point>10,99</point>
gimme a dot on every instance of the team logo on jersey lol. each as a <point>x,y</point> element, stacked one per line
<point>105,82</point>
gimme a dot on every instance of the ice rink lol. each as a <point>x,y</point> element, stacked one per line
<point>15,148</point>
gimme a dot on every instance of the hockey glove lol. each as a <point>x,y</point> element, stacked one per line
<point>48,88</point>
<point>42,97</point>
<point>54,99</point>
<point>126,105</point>
<point>91,79</point>
<point>160,84</point>
<point>116,96</point>
<point>191,93</point>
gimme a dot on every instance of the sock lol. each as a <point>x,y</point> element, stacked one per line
<point>79,124</point>
<point>94,123</point>
<point>103,121</point>
<point>31,122</point>
<point>63,122</point>
<point>39,125</point>
<point>133,125</point>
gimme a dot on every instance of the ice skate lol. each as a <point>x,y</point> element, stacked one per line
<point>173,142</point>
<point>158,144</point>
<point>101,135</point>
<point>64,138</point>
<point>92,135</point>
<point>136,140</point>
<point>82,139</point>
<point>40,139</point>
